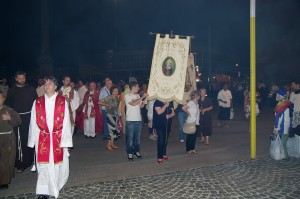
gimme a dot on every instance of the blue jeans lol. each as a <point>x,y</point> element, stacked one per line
<point>162,141</point>
<point>105,127</point>
<point>181,119</point>
<point>133,136</point>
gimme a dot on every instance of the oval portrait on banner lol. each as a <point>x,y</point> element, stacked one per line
<point>168,66</point>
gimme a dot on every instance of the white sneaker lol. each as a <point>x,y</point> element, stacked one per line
<point>33,169</point>
<point>181,141</point>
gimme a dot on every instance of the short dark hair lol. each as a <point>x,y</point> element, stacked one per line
<point>19,72</point>
<point>113,88</point>
<point>132,84</point>
<point>66,76</point>
<point>52,79</point>
<point>194,95</point>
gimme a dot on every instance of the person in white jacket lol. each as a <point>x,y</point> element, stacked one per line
<point>282,121</point>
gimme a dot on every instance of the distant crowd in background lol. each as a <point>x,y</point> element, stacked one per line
<point>90,108</point>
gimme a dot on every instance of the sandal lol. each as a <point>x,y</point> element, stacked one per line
<point>195,152</point>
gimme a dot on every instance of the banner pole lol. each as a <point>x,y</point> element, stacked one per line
<point>252,81</point>
<point>180,36</point>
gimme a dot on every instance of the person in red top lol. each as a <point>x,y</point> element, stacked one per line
<point>88,117</point>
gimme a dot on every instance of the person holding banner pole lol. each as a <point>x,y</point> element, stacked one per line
<point>134,103</point>
<point>162,122</point>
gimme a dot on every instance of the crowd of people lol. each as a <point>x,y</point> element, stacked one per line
<point>37,125</point>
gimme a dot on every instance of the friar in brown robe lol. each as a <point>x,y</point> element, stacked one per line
<point>8,120</point>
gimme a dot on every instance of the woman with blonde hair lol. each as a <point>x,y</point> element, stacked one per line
<point>205,123</point>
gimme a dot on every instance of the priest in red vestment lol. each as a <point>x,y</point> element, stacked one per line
<point>50,134</point>
<point>88,117</point>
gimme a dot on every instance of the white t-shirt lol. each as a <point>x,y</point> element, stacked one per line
<point>194,112</point>
<point>224,96</point>
<point>133,113</point>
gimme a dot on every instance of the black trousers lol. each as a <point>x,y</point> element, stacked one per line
<point>190,141</point>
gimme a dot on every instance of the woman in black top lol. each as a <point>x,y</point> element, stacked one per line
<point>162,121</point>
<point>205,107</point>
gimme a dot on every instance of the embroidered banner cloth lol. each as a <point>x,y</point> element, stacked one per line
<point>168,69</point>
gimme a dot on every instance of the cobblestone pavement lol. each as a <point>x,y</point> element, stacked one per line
<point>261,178</point>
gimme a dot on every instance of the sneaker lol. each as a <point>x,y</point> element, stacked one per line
<point>182,141</point>
<point>165,157</point>
<point>130,157</point>
<point>159,161</point>
<point>33,168</point>
<point>138,155</point>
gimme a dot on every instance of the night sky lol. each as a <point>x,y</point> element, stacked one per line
<point>87,26</point>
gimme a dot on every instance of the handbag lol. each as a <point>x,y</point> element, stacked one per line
<point>189,128</point>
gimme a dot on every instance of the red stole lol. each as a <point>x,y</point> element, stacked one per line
<point>44,136</point>
<point>282,106</point>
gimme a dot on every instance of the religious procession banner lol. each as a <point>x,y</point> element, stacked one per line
<point>190,80</point>
<point>168,69</point>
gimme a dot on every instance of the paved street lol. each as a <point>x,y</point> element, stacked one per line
<point>221,170</point>
<point>261,178</point>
